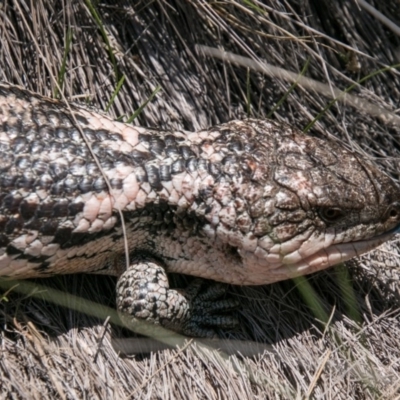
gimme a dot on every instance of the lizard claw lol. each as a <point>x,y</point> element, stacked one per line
<point>208,309</point>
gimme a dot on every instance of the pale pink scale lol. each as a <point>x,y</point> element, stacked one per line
<point>91,208</point>
<point>130,187</point>
<point>130,135</point>
<point>266,243</point>
<point>110,223</point>
<point>121,201</point>
<point>294,244</point>
<point>50,249</point>
<point>83,224</point>
<point>141,198</point>
<point>19,242</point>
<point>34,249</point>
<point>168,186</point>
<point>183,202</point>
<point>177,181</point>
<point>187,187</point>
<point>106,208</point>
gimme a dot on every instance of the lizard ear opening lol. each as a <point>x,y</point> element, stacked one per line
<point>331,214</point>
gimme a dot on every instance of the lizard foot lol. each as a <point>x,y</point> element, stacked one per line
<point>144,296</point>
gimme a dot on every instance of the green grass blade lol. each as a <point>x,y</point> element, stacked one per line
<point>61,74</point>
<point>294,84</point>
<point>311,298</point>
<point>141,108</point>
<point>115,93</point>
<point>103,32</point>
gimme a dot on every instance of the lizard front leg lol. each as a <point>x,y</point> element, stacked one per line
<point>144,295</point>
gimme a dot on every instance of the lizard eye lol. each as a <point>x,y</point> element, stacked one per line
<point>331,214</point>
<point>393,211</point>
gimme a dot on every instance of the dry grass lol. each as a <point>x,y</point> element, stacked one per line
<point>53,351</point>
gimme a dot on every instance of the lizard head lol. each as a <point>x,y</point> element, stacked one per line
<point>302,205</point>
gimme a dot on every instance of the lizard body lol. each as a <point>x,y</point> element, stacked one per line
<point>247,202</point>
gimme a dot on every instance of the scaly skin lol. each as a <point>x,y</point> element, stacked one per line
<point>247,202</point>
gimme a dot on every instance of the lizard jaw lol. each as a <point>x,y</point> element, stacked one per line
<point>332,255</point>
<point>261,272</point>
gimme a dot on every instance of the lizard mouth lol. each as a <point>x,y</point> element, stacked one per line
<point>332,255</point>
